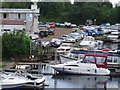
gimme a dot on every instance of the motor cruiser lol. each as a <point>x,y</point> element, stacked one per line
<point>92,64</point>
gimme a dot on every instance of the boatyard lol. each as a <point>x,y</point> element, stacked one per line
<point>46,50</point>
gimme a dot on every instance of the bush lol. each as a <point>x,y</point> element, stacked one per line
<point>15,44</point>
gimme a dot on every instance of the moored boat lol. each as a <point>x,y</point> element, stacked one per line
<point>11,81</point>
<point>90,42</point>
<point>64,48</point>
<point>77,54</point>
<point>92,64</point>
<point>21,79</point>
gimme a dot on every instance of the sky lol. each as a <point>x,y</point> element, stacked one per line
<point>114,1</point>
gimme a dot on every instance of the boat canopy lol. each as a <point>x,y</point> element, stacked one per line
<point>99,59</point>
<point>93,52</point>
<point>97,55</point>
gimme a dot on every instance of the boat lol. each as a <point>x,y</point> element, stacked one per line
<point>20,78</point>
<point>91,64</point>
<point>113,37</point>
<point>90,41</point>
<point>11,81</point>
<point>32,80</point>
<point>78,53</point>
<point>64,48</point>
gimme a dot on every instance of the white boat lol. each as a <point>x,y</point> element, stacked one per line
<point>64,48</point>
<point>90,41</point>
<point>92,64</point>
<point>11,81</point>
<point>78,53</point>
<point>45,43</point>
<point>20,78</point>
<point>32,80</point>
<point>113,36</point>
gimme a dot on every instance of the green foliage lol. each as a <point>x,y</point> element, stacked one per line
<point>15,44</point>
<point>16,4</point>
<point>77,13</point>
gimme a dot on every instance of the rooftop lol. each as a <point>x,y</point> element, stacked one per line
<point>6,10</point>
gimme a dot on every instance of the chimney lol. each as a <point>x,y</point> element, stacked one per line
<point>34,6</point>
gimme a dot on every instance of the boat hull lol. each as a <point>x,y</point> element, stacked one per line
<point>83,71</point>
<point>36,83</point>
<point>12,86</point>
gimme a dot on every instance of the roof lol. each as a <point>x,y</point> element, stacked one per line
<point>99,55</point>
<point>7,10</point>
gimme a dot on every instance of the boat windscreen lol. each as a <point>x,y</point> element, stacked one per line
<point>100,60</point>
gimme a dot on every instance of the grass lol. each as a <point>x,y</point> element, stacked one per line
<point>102,36</point>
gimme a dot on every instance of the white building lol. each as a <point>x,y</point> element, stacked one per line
<point>19,19</point>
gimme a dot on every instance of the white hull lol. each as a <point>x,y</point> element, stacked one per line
<point>35,83</point>
<point>12,85</point>
<point>85,71</point>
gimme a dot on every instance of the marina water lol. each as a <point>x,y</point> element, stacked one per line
<point>83,81</point>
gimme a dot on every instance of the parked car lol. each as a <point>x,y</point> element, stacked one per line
<point>68,38</point>
<point>33,36</point>
<point>76,36</point>
<point>56,42</point>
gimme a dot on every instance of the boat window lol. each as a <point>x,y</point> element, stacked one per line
<point>67,49</point>
<point>90,58</point>
<point>70,55</point>
<point>60,49</point>
<point>1,77</point>
<point>76,56</point>
<point>100,60</point>
<point>115,60</point>
<point>81,56</point>
<point>72,65</point>
<point>109,59</point>
<point>87,62</point>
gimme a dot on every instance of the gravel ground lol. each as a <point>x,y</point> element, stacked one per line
<point>58,33</point>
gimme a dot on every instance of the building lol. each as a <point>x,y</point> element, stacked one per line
<point>19,19</point>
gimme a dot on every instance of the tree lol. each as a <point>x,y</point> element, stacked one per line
<point>15,44</point>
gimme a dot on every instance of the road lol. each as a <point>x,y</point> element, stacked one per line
<point>58,33</point>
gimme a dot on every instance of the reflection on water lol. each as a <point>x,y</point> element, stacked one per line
<point>77,81</point>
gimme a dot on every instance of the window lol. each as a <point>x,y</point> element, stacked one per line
<point>5,30</point>
<point>100,60</point>
<point>90,58</point>
<point>4,15</point>
<point>18,15</point>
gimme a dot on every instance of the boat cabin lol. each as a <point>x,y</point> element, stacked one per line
<point>99,59</point>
